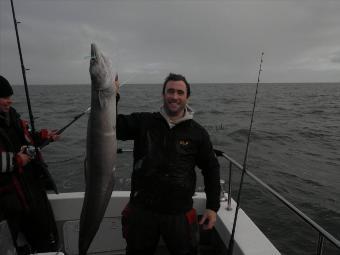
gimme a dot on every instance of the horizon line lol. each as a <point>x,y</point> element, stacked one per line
<point>193,83</point>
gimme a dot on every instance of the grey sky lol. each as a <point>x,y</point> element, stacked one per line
<point>208,41</point>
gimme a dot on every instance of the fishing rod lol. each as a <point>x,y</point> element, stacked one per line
<point>75,118</point>
<point>60,131</point>
<point>30,112</point>
<point>72,121</point>
<point>238,201</point>
<point>81,114</point>
<point>23,70</point>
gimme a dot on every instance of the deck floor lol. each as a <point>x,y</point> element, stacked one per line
<point>203,250</point>
<point>210,244</point>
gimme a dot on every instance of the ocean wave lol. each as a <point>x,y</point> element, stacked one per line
<point>215,111</point>
<point>227,101</point>
<point>316,112</point>
<point>216,127</point>
<point>261,135</point>
<point>240,135</point>
<point>298,179</point>
<point>312,134</point>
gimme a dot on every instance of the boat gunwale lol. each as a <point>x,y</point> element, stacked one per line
<point>322,232</point>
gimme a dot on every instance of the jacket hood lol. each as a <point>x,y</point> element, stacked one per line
<point>188,115</point>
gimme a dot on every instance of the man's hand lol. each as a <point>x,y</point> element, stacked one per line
<point>53,136</point>
<point>50,135</point>
<point>210,217</point>
<point>117,83</point>
<point>22,158</point>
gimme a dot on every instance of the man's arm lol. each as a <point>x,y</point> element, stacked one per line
<point>207,161</point>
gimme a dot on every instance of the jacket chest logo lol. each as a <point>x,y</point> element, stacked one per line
<point>183,142</point>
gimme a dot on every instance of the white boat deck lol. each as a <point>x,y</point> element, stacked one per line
<point>249,240</point>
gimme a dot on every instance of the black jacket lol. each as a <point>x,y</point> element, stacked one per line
<point>14,133</point>
<point>23,200</point>
<point>163,177</point>
<point>11,139</point>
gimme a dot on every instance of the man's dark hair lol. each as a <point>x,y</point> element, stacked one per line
<point>176,77</point>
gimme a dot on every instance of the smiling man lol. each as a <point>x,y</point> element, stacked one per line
<point>168,145</point>
<point>176,95</point>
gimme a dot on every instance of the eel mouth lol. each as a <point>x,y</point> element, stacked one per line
<point>93,52</point>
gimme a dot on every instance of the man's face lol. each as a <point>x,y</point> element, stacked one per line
<point>175,98</point>
<point>5,103</point>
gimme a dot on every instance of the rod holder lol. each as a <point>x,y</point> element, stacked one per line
<point>229,208</point>
<point>320,245</point>
<point>222,194</point>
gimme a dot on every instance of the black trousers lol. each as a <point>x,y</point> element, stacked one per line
<point>142,230</point>
<point>36,223</point>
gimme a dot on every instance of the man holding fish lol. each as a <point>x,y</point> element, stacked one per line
<point>168,145</point>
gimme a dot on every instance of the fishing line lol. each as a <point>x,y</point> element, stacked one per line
<point>238,201</point>
<point>127,80</point>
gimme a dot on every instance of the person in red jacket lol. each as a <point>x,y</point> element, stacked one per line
<point>23,200</point>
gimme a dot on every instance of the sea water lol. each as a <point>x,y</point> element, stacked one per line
<point>294,146</point>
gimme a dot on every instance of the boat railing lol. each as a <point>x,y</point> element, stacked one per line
<point>323,234</point>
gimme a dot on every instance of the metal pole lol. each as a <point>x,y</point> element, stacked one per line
<point>320,244</point>
<point>229,208</point>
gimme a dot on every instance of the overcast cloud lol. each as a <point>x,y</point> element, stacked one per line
<point>208,41</point>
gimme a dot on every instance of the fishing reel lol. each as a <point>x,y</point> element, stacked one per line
<point>30,151</point>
